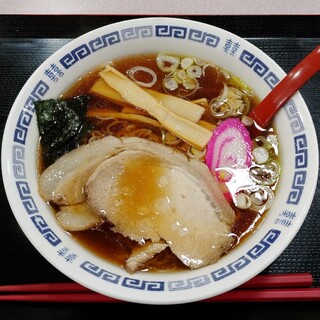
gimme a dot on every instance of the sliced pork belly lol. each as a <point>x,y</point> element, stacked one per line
<point>142,254</point>
<point>63,182</point>
<point>152,192</point>
<point>77,217</point>
<point>148,191</point>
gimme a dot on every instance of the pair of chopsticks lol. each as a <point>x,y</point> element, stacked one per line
<point>262,288</point>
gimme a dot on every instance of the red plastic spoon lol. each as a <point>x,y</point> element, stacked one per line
<point>263,113</point>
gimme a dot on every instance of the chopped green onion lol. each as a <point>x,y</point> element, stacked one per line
<point>170,84</point>
<point>179,75</point>
<point>193,153</point>
<point>142,69</point>
<point>167,63</point>
<point>242,200</point>
<point>247,121</point>
<point>186,63</point>
<point>266,174</point>
<point>260,155</point>
<point>170,139</point>
<point>194,71</point>
<point>190,84</point>
<point>262,199</point>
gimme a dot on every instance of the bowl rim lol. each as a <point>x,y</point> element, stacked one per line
<point>180,298</point>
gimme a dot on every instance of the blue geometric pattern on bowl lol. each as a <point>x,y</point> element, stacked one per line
<point>134,33</point>
<point>192,282</point>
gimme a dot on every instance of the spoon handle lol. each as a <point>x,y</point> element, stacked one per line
<point>263,113</point>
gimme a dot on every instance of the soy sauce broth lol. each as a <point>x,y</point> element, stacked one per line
<point>101,240</point>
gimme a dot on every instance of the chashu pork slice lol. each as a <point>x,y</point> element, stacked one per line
<point>63,182</point>
<point>152,192</point>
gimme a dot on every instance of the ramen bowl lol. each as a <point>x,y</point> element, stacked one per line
<point>298,156</point>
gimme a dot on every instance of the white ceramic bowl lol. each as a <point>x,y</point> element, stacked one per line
<point>298,154</point>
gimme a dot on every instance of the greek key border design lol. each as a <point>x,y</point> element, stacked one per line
<point>134,33</point>
<point>194,282</point>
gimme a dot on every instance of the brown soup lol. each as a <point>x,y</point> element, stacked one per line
<point>103,115</point>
